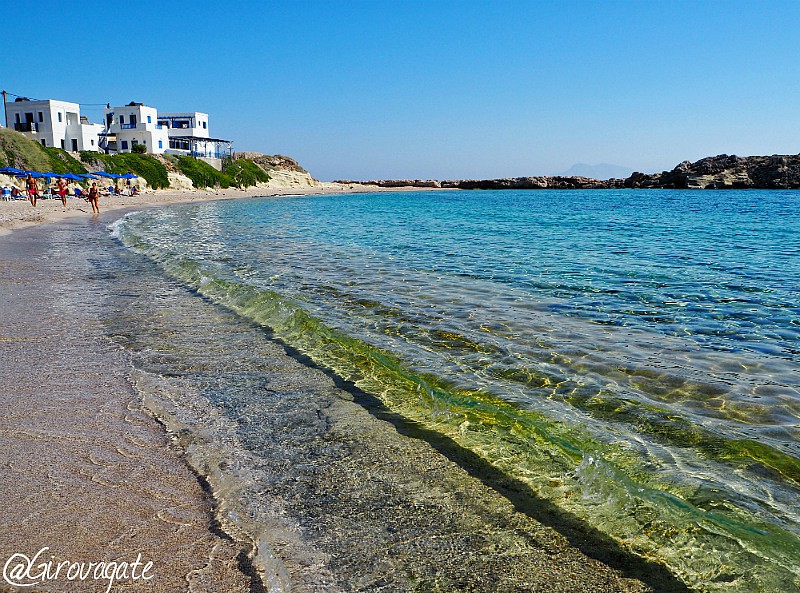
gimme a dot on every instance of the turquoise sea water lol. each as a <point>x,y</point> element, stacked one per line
<point>632,356</point>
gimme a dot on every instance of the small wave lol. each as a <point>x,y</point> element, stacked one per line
<point>209,445</point>
<point>116,227</point>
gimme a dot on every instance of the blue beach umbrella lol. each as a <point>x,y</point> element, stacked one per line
<point>102,174</point>
<point>129,176</point>
<point>11,171</point>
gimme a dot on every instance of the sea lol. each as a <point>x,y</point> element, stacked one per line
<point>623,366</point>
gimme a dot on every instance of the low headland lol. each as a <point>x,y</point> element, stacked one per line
<point>715,172</point>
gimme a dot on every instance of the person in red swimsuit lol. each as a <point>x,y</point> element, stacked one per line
<point>62,191</point>
<point>33,189</point>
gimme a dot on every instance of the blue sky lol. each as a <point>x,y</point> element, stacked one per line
<point>435,89</point>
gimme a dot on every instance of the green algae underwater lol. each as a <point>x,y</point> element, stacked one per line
<point>630,356</point>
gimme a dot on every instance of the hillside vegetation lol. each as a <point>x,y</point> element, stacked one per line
<point>149,167</point>
<point>236,173</point>
<point>18,151</point>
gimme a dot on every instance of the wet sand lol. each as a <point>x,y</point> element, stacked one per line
<point>87,472</point>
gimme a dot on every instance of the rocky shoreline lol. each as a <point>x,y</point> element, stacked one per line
<point>717,172</point>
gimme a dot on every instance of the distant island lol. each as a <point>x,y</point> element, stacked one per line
<point>599,171</point>
<point>716,172</point>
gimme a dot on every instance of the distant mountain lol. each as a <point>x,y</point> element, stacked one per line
<point>601,171</point>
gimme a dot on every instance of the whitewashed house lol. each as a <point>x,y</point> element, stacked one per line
<point>132,124</point>
<point>53,123</point>
<point>188,135</point>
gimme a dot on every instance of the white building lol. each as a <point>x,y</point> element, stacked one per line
<point>53,123</point>
<point>188,135</point>
<point>132,124</point>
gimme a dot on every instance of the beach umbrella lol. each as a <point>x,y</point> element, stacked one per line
<point>102,174</point>
<point>129,176</point>
<point>72,176</point>
<point>87,176</point>
<point>11,170</point>
<point>34,174</point>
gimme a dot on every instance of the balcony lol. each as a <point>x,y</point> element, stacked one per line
<point>28,126</point>
<point>127,126</point>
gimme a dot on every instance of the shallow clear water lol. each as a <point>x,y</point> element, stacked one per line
<point>632,356</point>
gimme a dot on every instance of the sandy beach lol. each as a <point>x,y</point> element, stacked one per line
<point>92,476</point>
<point>19,213</point>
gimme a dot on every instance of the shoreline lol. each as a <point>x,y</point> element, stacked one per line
<point>20,214</point>
<point>89,475</point>
<point>64,332</point>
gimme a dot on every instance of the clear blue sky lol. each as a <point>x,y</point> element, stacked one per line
<point>434,89</point>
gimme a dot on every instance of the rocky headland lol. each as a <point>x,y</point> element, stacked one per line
<point>717,172</point>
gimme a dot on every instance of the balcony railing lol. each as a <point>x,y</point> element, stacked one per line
<point>128,126</point>
<point>26,127</point>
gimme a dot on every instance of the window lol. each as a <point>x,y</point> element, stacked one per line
<point>41,116</point>
<point>92,142</point>
<point>160,144</point>
<point>18,120</point>
<point>62,145</point>
<point>44,142</point>
<point>204,125</point>
<point>124,144</point>
<point>121,119</point>
<point>149,120</point>
<point>59,117</point>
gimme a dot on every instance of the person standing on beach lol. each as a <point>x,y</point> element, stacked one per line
<point>94,194</point>
<point>62,191</point>
<point>33,189</point>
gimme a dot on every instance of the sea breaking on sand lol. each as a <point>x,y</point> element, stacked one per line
<point>93,477</point>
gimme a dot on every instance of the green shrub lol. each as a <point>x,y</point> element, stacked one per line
<point>62,162</point>
<point>146,166</point>
<point>21,152</point>
<point>201,173</point>
<point>17,150</point>
<point>244,173</point>
<point>139,148</point>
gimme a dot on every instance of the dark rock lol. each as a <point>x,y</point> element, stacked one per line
<point>716,172</point>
